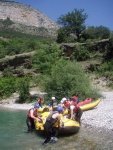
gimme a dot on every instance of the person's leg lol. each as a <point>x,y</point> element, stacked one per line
<point>79,115</point>
<point>54,132</point>
<point>54,135</point>
<point>47,129</point>
<point>28,122</point>
<point>32,124</point>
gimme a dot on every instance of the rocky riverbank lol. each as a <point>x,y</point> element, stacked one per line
<point>100,117</point>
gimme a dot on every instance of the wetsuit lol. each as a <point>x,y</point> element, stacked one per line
<point>30,121</point>
<point>48,127</point>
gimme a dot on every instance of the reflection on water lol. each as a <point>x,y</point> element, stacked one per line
<point>13,136</point>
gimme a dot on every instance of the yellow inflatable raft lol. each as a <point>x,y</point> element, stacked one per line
<point>90,105</point>
<point>83,107</point>
<point>48,109</point>
<point>68,126</point>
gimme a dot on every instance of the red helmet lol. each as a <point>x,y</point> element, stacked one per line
<point>67,104</point>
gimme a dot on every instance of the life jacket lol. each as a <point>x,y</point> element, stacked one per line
<point>50,119</point>
<point>75,99</point>
<point>34,113</point>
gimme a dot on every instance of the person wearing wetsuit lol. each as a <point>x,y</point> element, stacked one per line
<point>53,103</point>
<point>50,121</point>
<point>31,116</point>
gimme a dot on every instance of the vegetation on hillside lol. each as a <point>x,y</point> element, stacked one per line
<point>14,42</point>
<point>72,23</point>
<point>54,73</point>
<point>66,79</point>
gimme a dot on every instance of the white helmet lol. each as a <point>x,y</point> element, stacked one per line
<point>63,99</point>
<point>53,98</point>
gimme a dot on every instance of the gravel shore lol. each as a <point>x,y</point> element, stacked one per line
<point>99,117</point>
<point>102,115</point>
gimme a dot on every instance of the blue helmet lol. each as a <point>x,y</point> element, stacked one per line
<point>59,108</point>
<point>36,106</point>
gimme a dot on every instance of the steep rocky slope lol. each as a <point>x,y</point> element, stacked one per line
<point>25,14</point>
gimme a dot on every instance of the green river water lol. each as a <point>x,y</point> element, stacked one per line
<point>13,136</point>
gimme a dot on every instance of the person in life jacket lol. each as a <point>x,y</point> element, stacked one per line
<point>75,111</point>
<point>63,100</point>
<point>31,116</point>
<point>53,103</point>
<point>75,99</point>
<point>39,101</point>
<point>50,131</point>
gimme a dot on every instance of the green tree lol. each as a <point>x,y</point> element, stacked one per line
<point>46,57</point>
<point>62,35</point>
<point>73,22</point>
<point>108,56</point>
<point>23,86</point>
<point>68,78</point>
<point>99,32</point>
<point>7,87</point>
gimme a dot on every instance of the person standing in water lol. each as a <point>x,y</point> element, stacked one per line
<point>31,116</point>
<point>50,121</point>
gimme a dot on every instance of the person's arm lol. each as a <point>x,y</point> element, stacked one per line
<point>40,118</point>
<point>32,116</point>
<point>71,113</point>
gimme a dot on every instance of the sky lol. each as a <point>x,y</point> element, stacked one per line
<point>100,12</point>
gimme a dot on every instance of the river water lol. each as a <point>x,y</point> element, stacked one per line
<point>13,136</point>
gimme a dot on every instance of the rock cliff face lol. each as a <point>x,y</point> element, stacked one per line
<point>25,14</point>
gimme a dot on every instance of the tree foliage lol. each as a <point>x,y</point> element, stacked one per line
<point>46,57</point>
<point>73,22</point>
<point>99,32</point>
<point>7,87</point>
<point>108,56</point>
<point>10,85</point>
<point>68,78</point>
<point>80,53</point>
<point>62,35</point>
<point>23,89</point>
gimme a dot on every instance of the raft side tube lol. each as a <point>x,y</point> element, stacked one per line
<point>90,105</point>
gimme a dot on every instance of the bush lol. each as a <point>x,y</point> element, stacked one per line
<point>80,53</point>
<point>7,87</point>
<point>23,85</point>
<point>99,32</point>
<point>46,57</point>
<point>10,85</point>
<point>67,79</point>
